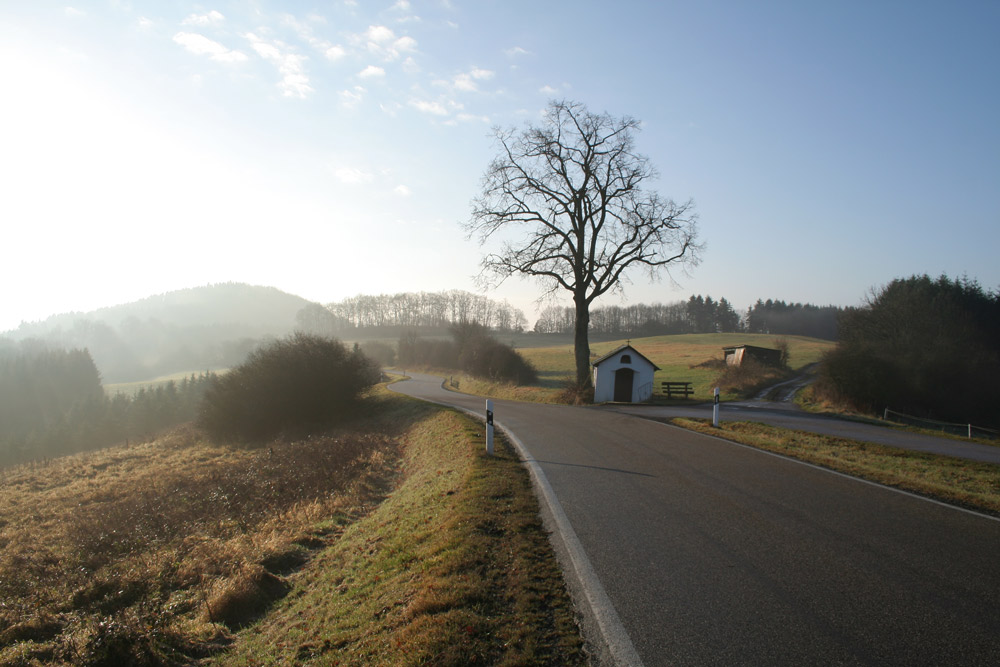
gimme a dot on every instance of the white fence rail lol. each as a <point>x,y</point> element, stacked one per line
<point>967,430</point>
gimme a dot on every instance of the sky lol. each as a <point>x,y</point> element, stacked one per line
<point>331,149</point>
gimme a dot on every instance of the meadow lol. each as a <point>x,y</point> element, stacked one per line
<point>695,358</point>
<point>367,544</point>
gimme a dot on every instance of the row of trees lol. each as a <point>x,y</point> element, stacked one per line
<point>697,315</point>
<point>414,309</point>
<point>793,319</point>
<point>52,403</point>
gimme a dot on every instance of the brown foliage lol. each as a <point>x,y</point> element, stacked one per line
<point>749,377</point>
<point>573,393</point>
<point>137,555</point>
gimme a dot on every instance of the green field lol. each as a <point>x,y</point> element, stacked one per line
<point>132,388</point>
<point>681,358</point>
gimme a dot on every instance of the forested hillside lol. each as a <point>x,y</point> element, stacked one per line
<point>203,328</point>
<point>52,403</point>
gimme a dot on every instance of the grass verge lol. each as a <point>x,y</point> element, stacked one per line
<point>501,390</point>
<point>453,568</point>
<point>958,481</point>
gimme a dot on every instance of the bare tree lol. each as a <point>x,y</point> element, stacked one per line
<point>567,199</point>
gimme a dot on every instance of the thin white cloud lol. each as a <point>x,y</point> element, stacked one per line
<point>383,43</point>
<point>390,108</point>
<point>402,191</point>
<point>203,20</point>
<point>405,44</point>
<point>73,12</point>
<point>352,98</point>
<point>371,72</point>
<point>203,46</point>
<point>305,32</point>
<point>291,66</point>
<point>404,8</point>
<point>433,108</point>
<point>471,118</point>
<point>353,176</point>
<point>466,81</point>
<point>517,51</point>
<point>547,90</point>
<point>144,23</point>
<point>379,34</point>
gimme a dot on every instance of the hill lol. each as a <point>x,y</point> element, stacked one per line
<point>201,328</point>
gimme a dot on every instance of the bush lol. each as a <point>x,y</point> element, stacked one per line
<point>923,346</point>
<point>292,385</point>
<point>749,377</point>
<point>382,352</point>
<point>472,350</point>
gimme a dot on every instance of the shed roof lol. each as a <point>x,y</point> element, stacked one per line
<point>620,349</point>
<point>749,347</point>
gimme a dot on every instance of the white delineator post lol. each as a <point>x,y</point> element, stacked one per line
<point>715,410</point>
<point>489,427</point>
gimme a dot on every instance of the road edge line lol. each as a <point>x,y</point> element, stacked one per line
<point>616,638</point>
<point>816,466</point>
<point>619,645</point>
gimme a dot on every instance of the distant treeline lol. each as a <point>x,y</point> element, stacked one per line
<point>408,310</point>
<point>52,403</point>
<point>698,315</point>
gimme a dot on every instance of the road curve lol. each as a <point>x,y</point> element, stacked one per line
<point>712,553</point>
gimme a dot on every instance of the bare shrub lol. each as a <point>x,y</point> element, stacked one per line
<point>574,393</point>
<point>293,385</point>
<point>472,350</point>
<point>748,378</point>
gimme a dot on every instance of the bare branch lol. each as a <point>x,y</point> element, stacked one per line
<point>573,188</point>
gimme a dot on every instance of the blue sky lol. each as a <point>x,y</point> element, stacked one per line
<point>332,148</point>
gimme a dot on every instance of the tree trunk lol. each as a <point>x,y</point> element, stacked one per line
<point>581,343</point>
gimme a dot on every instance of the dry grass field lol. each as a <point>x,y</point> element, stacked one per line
<point>180,551</point>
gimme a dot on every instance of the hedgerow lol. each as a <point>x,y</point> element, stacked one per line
<point>291,386</point>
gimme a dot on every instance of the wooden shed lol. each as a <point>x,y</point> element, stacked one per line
<point>736,354</point>
<point>623,376</point>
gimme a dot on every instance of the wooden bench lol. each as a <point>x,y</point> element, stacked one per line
<point>677,389</point>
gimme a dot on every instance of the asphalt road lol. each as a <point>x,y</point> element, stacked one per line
<point>697,551</point>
